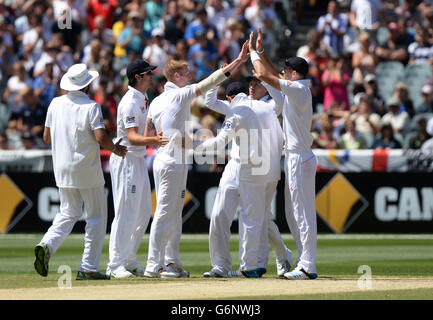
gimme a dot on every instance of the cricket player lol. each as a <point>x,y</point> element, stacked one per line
<point>170,112</point>
<point>75,128</point>
<point>129,177</point>
<point>227,200</point>
<point>294,95</point>
<point>249,122</point>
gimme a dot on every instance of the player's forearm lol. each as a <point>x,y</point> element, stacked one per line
<point>139,140</point>
<point>268,64</point>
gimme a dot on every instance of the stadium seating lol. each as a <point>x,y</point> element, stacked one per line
<point>388,74</point>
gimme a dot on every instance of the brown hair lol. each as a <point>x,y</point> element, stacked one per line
<point>174,66</point>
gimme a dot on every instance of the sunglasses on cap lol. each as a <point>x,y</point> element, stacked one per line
<point>146,73</point>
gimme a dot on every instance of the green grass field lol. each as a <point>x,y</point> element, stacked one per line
<point>338,258</point>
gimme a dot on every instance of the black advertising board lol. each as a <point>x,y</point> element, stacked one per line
<point>366,202</point>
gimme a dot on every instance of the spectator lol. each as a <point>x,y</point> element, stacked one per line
<point>405,36</point>
<point>335,80</point>
<point>108,106</point>
<point>219,12</point>
<point>386,139</point>
<point>45,86</point>
<point>326,138</point>
<point>398,118</point>
<point>229,46</point>
<point>402,94</point>
<point>15,84</point>
<point>103,34</point>
<point>28,141</point>
<point>200,24</point>
<point>363,61</point>
<point>427,146</point>
<point>33,113</point>
<point>48,56</point>
<point>154,14</point>
<point>105,8</point>
<point>70,36</point>
<point>202,56</point>
<point>181,50</point>
<point>361,10</point>
<point>133,37</point>
<point>118,26</point>
<point>156,53</point>
<point>352,139</point>
<point>371,92</point>
<point>91,54</point>
<point>4,142</point>
<point>332,28</point>
<point>261,15</point>
<point>410,11</point>
<point>417,139</point>
<point>421,51</point>
<point>427,96</point>
<point>366,122</point>
<point>174,22</point>
<point>395,48</point>
<point>33,41</point>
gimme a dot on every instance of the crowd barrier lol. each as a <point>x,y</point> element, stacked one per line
<point>356,192</point>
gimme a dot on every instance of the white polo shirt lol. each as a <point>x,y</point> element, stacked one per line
<point>254,125</point>
<point>132,112</point>
<point>72,118</point>
<point>296,101</point>
<point>170,112</point>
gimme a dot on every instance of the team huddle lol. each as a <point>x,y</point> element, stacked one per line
<point>75,129</point>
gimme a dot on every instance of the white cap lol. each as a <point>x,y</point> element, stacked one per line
<point>427,89</point>
<point>157,32</point>
<point>77,77</point>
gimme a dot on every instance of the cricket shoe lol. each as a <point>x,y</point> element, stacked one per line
<point>120,273</point>
<point>174,270</point>
<point>81,275</point>
<point>150,274</point>
<point>42,254</point>
<point>300,274</point>
<point>136,270</point>
<point>283,268</point>
<point>261,271</point>
<point>244,274</point>
<point>214,273</point>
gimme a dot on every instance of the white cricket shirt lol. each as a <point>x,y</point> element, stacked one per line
<point>72,118</point>
<point>132,112</point>
<point>170,112</point>
<point>296,101</point>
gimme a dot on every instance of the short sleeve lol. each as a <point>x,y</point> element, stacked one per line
<point>95,117</point>
<point>48,118</point>
<point>288,87</point>
<point>129,116</point>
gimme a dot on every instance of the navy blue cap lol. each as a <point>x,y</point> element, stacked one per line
<point>138,67</point>
<point>234,88</point>
<point>298,64</point>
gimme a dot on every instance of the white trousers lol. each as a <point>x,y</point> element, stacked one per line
<point>300,169</point>
<point>166,228</point>
<point>71,210</point>
<point>223,212</point>
<point>132,209</point>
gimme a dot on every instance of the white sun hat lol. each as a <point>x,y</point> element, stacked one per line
<point>77,77</point>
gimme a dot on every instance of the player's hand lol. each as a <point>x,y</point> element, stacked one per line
<point>120,150</point>
<point>244,54</point>
<point>160,140</point>
<point>259,42</point>
<point>251,43</point>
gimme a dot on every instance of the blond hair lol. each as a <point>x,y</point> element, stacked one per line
<point>174,66</point>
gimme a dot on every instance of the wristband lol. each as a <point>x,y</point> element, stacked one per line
<point>254,56</point>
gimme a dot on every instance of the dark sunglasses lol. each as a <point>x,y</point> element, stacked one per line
<point>146,72</point>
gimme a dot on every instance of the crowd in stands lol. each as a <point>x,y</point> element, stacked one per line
<point>370,60</point>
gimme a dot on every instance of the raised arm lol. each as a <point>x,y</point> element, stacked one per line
<point>222,74</point>
<point>263,69</point>
<point>212,102</point>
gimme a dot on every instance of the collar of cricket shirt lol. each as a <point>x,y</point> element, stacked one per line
<point>138,93</point>
<point>170,85</point>
<point>78,94</point>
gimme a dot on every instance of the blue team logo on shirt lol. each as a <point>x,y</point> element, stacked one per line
<point>226,125</point>
<point>101,120</point>
<point>129,119</point>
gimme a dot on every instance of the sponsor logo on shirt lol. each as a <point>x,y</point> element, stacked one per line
<point>133,189</point>
<point>130,119</point>
<point>226,125</point>
<point>101,120</point>
<point>142,109</point>
<point>183,194</point>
